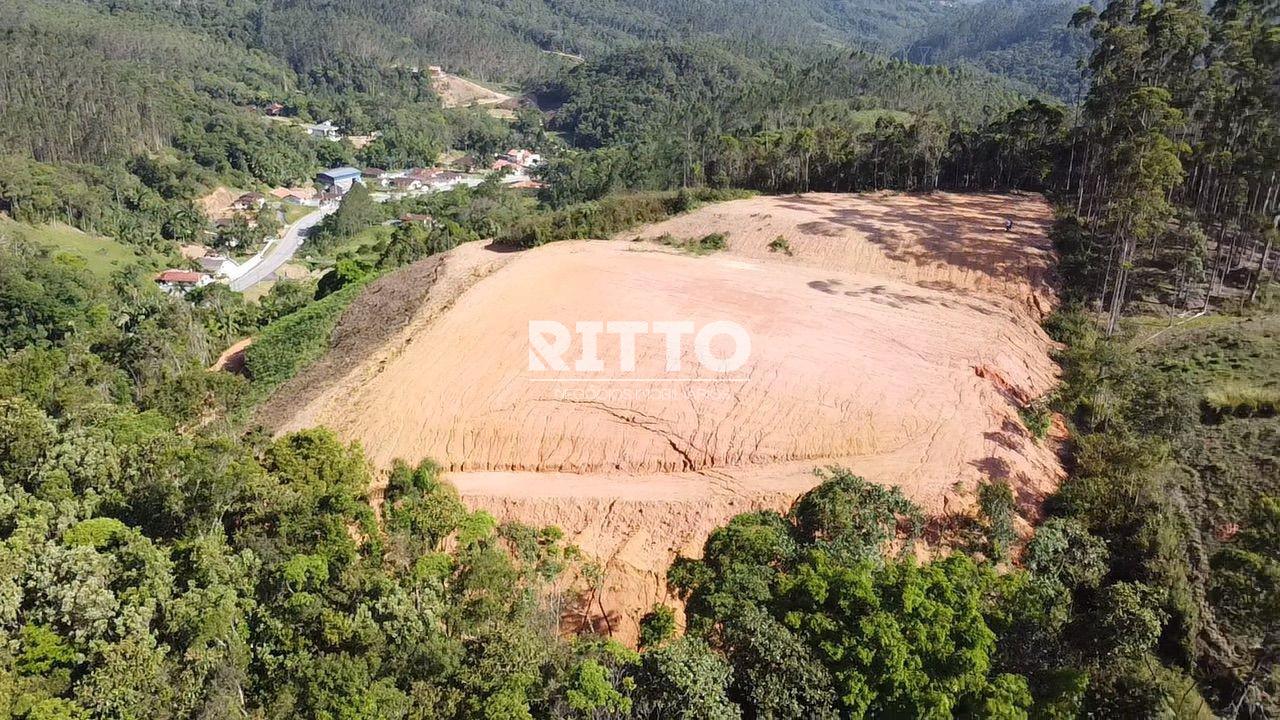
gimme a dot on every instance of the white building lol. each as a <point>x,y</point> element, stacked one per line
<point>325,130</point>
<point>179,282</point>
<point>218,266</point>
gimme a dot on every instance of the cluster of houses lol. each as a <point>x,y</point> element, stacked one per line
<point>414,179</point>
<point>213,266</point>
<point>244,208</point>
<point>517,160</point>
<point>178,282</point>
<point>516,166</point>
<point>249,202</point>
<point>335,182</point>
<point>325,130</point>
<point>295,196</point>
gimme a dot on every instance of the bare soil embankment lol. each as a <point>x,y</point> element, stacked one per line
<point>459,92</point>
<point>895,334</point>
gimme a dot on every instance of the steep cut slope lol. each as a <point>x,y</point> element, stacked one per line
<point>898,338</point>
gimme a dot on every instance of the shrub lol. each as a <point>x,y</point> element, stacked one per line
<point>996,503</point>
<point>1063,551</point>
<point>657,626</point>
<point>609,215</point>
<point>1037,418</point>
<point>780,244</point>
<point>712,242</point>
<point>851,516</point>
<point>706,244</point>
<point>294,341</point>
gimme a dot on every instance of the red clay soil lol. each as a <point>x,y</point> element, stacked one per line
<point>232,359</point>
<point>898,339</point>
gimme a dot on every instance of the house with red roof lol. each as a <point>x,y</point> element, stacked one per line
<point>179,282</point>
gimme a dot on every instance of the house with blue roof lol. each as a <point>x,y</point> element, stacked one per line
<point>339,179</point>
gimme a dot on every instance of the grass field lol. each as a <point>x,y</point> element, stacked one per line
<point>866,119</point>
<point>1226,359</point>
<point>294,213</point>
<point>367,243</point>
<point>1230,365</point>
<point>254,293</point>
<point>102,255</point>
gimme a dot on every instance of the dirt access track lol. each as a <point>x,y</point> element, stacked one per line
<point>896,335</point>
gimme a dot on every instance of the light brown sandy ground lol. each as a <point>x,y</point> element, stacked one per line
<point>949,241</point>
<point>232,359</point>
<point>459,92</point>
<point>898,340</point>
<point>217,202</point>
<point>193,251</point>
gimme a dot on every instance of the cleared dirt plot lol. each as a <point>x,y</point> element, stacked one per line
<point>460,92</point>
<point>898,337</point>
<point>943,240</point>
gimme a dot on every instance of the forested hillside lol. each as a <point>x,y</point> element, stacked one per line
<point>115,121</point>
<point>679,115</point>
<point>1028,42</point>
<point>505,39</point>
<point>519,40</point>
<point>116,115</point>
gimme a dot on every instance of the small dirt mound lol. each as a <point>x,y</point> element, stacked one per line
<point>232,359</point>
<point>217,202</point>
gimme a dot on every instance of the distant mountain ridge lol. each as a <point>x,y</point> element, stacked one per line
<point>509,39</point>
<point>1028,41</point>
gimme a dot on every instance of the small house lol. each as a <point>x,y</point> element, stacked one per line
<point>424,174</point>
<point>179,282</point>
<point>405,184</point>
<point>324,131</point>
<point>218,266</point>
<point>415,219</point>
<point>294,196</point>
<point>249,202</point>
<point>523,158</point>
<point>274,109</point>
<point>446,180</point>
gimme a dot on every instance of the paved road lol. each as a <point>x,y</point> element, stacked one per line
<point>280,251</point>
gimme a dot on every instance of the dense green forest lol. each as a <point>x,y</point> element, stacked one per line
<point>502,40</point>
<point>1030,42</point>
<point>163,560</point>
